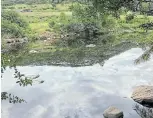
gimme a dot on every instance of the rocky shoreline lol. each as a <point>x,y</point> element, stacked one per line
<point>143,95</point>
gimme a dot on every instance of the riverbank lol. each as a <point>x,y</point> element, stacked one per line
<point>45,46</point>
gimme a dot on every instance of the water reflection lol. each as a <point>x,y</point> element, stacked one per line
<point>74,57</point>
<point>79,92</point>
<point>143,112</point>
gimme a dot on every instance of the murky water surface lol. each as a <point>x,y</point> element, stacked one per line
<point>79,92</point>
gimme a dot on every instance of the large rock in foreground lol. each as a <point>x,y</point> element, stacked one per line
<point>143,95</point>
<point>113,112</point>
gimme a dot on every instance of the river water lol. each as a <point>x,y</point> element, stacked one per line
<point>79,92</point>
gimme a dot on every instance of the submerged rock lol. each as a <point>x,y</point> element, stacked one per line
<point>143,95</point>
<point>113,112</point>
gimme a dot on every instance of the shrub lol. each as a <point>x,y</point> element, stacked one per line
<point>80,34</point>
<point>13,25</point>
<point>11,29</point>
<point>63,18</point>
<point>84,13</point>
<point>13,17</point>
<point>11,7</point>
<point>129,17</point>
<point>51,24</point>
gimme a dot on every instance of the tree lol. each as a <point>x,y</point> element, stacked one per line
<point>145,56</point>
<point>113,6</point>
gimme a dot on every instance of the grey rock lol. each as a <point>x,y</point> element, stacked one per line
<point>143,95</point>
<point>90,46</point>
<point>113,112</point>
<point>32,51</point>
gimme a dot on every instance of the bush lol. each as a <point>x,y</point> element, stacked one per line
<point>49,30</point>
<point>51,24</point>
<point>62,18</point>
<point>11,29</point>
<point>13,25</point>
<point>80,34</point>
<point>129,17</point>
<point>33,37</point>
<point>83,13</point>
<point>11,7</point>
<point>57,23</point>
<point>13,17</point>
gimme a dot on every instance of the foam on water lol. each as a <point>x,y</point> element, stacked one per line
<point>79,92</point>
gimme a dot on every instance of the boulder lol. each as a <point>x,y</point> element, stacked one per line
<point>113,112</point>
<point>10,40</point>
<point>143,95</point>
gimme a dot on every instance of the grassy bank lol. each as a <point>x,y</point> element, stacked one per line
<point>40,16</point>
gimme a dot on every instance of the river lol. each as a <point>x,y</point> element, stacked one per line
<point>79,92</point>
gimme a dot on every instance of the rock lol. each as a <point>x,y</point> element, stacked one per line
<point>21,40</point>
<point>25,39</point>
<point>90,46</point>
<point>113,112</point>
<point>47,35</point>
<point>143,95</point>
<point>26,10</point>
<point>10,40</point>
<point>32,51</point>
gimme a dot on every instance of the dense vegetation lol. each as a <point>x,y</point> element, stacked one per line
<point>53,28</point>
<point>13,25</point>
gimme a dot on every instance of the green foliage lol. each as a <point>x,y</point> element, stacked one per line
<point>84,13</point>
<point>13,17</point>
<point>51,24</point>
<point>10,59</point>
<point>13,25</point>
<point>145,56</point>
<point>11,29</point>
<point>112,5</point>
<point>12,99</point>
<point>130,16</point>
<point>144,6</point>
<point>22,80</point>
<point>63,18</point>
<point>58,22</point>
<point>29,2</point>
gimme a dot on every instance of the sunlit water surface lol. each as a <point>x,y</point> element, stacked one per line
<point>79,92</point>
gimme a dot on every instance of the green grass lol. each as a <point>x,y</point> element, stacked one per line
<point>130,31</point>
<point>39,27</point>
<point>43,14</point>
<point>121,30</point>
<point>42,7</point>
